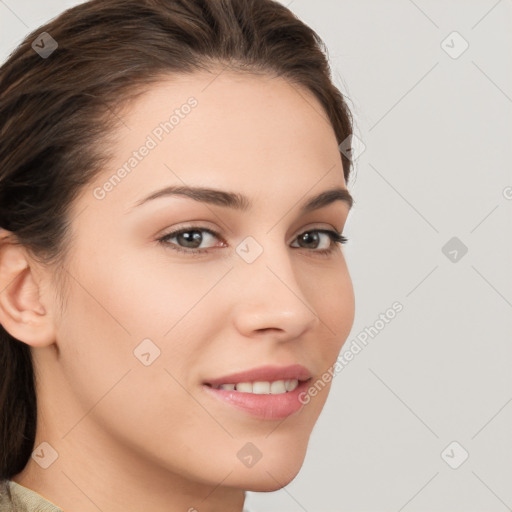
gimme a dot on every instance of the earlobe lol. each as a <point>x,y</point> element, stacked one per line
<point>22,314</point>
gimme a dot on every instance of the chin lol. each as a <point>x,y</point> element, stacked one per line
<point>270,475</point>
<point>270,483</point>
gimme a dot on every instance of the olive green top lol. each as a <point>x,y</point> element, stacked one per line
<point>26,500</point>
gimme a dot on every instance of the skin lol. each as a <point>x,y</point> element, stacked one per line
<point>134,437</point>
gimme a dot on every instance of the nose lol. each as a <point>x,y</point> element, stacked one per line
<point>269,299</point>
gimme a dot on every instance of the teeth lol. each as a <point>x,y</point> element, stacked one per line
<point>262,388</point>
<point>291,384</point>
<point>279,386</point>
<point>229,387</point>
<point>244,387</point>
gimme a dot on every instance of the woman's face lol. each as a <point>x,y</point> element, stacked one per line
<point>148,328</point>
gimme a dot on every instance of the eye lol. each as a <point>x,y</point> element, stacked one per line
<point>313,237</point>
<point>188,240</point>
<point>190,237</point>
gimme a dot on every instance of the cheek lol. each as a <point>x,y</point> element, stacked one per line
<point>332,296</point>
<point>151,296</point>
<point>145,407</point>
<point>124,313</point>
<point>94,342</point>
<point>343,313</point>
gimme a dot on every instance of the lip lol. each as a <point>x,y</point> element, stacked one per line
<point>264,373</point>
<point>268,406</point>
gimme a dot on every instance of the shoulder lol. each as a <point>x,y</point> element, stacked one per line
<point>17,498</point>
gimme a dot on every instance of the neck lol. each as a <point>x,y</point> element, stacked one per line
<point>90,476</point>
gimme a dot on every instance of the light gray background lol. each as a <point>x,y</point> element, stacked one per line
<point>437,162</point>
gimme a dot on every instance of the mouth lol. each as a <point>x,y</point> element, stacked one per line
<point>268,392</point>
<point>276,387</point>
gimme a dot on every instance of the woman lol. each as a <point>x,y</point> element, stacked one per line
<point>172,201</point>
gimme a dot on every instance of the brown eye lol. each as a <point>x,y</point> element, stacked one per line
<point>188,239</point>
<point>311,240</point>
<point>191,239</point>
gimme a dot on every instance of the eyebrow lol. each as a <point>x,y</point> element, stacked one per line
<point>242,203</point>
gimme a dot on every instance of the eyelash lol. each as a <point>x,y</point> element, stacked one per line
<point>336,238</point>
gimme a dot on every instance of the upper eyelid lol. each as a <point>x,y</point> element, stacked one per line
<point>176,231</point>
<point>214,232</point>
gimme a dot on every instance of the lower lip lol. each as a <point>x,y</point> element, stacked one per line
<point>267,407</point>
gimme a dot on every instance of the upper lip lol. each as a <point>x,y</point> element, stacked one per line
<point>264,374</point>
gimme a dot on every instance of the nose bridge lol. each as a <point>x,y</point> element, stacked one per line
<point>270,295</point>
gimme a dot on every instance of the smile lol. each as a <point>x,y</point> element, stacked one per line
<point>268,392</point>
<point>262,388</point>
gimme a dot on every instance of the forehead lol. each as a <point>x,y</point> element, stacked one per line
<point>257,134</point>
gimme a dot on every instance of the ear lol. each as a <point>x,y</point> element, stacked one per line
<point>22,313</point>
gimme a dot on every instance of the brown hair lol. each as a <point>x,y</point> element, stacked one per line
<point>57,112</point>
